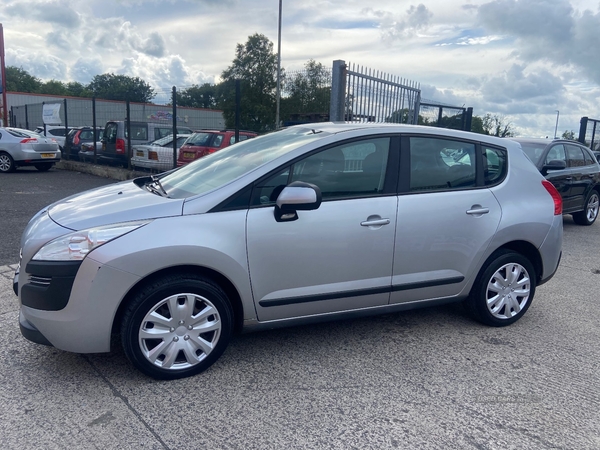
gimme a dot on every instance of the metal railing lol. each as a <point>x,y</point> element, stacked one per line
<point>360,94</point>
<point>589,133</point>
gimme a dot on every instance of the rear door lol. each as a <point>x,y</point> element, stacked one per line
<point>583,175</point>
<point>445,219</point>
<point>561,179</point>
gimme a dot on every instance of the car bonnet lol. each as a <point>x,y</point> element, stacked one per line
<point>121,202</point>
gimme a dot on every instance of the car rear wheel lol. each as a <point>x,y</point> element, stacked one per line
<point>43,167</point>
<point>177,327</point>
<point>590,213</point>
<point>503,290</point>
<point>7,164</point>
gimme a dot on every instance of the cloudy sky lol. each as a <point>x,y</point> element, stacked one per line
<point>523,59</point>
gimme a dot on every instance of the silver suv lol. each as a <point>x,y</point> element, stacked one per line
<point>311,223</point>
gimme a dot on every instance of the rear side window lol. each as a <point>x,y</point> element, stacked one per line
<point>575,155</point>
<point>441,164</point>
<point>199,139</point>
<point>589,160</point>
<point>495,165</point>
<point>138,132</point>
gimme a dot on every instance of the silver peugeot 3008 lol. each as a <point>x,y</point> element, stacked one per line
<point>311,223</point>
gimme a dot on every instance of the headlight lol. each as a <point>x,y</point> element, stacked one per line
<point>76,246</point>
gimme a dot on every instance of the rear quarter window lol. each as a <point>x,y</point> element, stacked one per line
<point>495,165</point>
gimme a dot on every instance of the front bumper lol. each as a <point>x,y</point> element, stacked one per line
<point>30,332</point>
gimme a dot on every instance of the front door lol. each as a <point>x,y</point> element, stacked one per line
<point>338,257</point>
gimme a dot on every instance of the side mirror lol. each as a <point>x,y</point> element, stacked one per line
<point>555,164</point>
<point>297,196</point>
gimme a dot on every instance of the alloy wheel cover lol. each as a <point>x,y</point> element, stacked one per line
<point>180,331</point>
<point>508,291</point>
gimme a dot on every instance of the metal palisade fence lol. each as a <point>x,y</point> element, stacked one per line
<point>589,133</point>
<point>360,94</point>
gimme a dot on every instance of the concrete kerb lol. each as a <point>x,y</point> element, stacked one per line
<point>115,173</point>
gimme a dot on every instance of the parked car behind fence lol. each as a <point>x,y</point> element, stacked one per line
<point>19,147</point>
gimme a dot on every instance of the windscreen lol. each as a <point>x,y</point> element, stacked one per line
<point>224,166</point>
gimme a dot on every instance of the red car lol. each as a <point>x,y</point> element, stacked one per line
<point>201,143</point>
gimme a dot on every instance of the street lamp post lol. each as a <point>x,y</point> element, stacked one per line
<point>278,93</point>
<point>556,127</point>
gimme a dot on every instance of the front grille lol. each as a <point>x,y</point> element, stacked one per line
<point>40,281</point>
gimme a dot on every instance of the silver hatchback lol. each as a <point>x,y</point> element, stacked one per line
<point>312,223</point>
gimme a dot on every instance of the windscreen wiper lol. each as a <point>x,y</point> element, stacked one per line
<point>156,181</point>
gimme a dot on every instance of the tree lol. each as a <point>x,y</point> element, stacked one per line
<point>255,65</point>
<point>54,87</point>
<point>307,91</point>
<point>121,87</point>
<point>477,125</point>
<point>204,96</point>
<point>570,135</point>
<point>19,80</point>
<point>76,89</point>
<point>496,125</point>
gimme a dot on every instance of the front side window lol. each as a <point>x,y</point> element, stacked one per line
<point>441,164</point>
<point>556,153</point>
<point>355,169</point>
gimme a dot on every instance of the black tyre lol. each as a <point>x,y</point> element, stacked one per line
<point>177,327</point>
<point>503,290</point>
<point>590,213</point>
<point>44,167</point>
<point>7,164</point>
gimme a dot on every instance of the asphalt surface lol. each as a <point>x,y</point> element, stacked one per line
<point>24,192</point>
<point>422,379</point>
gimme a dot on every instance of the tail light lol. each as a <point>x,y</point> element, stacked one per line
<point>152,155</point>
<point>558,204</point>
<point>76,139</point>
<point>120,146</point>
<point>29,141</point>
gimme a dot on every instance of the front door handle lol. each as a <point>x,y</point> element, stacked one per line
<point>478,210</point>
<point>375,222</point>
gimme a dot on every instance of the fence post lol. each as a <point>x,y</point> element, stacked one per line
<point>174,127</point>
<point>417,110</point>
<point>468,119</point>
<point>128,127</point>
<point>26,118</point>
<point>94,125</point>
<point>65,150</point>
<point>43,103</point>
<point>338,91</point>
<point>582,129</point>
<point>238,101</point>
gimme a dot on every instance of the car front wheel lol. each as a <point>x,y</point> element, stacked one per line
<point>503,290</point>
<point>6,163</point>
<point>590,213</point>
<point>177,327</point>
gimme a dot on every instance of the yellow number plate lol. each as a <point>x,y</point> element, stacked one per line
<point>189,155</point>
<point>47,155</point>
<point>139,153</point>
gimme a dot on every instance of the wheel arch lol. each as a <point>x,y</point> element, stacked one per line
<point>225,284</point>
<point>528,250</point>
